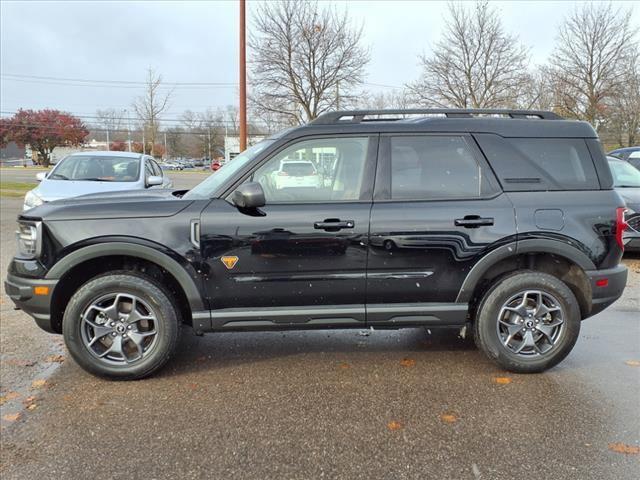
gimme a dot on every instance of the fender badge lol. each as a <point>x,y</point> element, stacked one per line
<point>229,262</point>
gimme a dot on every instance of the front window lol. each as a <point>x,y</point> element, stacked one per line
<point>318,170</point>
<point>97,168</point>
<point>207,187</point>
<point>624,175</point>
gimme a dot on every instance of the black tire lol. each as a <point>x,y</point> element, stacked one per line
<point>149,292</point>
<point>488,338</point>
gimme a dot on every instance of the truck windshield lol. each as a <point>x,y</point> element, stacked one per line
<point>207,187</point>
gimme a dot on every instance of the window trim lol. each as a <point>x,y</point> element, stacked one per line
<point>366,189</point>
<point>382,188</point>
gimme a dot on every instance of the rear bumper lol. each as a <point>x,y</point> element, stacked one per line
<point>21,290</point>
<point>606,287</point>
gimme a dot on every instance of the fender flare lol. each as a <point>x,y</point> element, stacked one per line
<point>515,248</point>
<point>163,260</point>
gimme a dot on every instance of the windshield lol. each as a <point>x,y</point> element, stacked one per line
<point>624,175</point>
<point>206,188</point>
<point>97,168</point>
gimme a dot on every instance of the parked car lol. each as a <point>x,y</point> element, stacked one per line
<point>91,172</point>
<point>296,174</point>
<point>504,224</point>
<point>626,180</point>
<point>628,154</point>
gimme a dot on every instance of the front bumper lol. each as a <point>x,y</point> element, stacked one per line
<point>606,287</point>
<point>22,292</point>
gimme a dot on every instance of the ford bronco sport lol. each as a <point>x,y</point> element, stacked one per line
<point>502,223</point>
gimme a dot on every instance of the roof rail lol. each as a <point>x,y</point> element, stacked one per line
<point>358,116</point>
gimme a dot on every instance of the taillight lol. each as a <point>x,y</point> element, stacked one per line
<point>621,225</point>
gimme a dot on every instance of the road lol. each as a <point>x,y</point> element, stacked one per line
<point>334,404</point>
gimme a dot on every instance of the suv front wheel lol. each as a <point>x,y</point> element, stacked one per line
<point>121,326</point>
<point>527,322</point>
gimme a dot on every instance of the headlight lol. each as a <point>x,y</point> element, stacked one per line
<point>29,236</point>
<point>32,200</point>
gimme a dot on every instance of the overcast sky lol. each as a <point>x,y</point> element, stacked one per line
<point>197,42</point>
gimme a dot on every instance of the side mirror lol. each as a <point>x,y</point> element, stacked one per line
<point>249,195</point>
<point>41,176</point>
<point>153,180</point>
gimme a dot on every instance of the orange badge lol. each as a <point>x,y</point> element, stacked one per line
<point>229,262</point>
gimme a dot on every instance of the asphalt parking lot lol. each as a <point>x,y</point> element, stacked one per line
<point>326,404</point>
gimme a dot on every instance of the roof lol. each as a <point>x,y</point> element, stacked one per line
<point>507,123</point>
<point>108,153</point>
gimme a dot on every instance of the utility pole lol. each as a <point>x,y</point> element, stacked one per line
<point>108,147</point>
<point>243,79</point>
<point>128,129</point>
<point>209,144</point>
<point>144,147</point>
<point>166,153</point>
<point>338,95</point>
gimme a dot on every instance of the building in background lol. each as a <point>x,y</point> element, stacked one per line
<point>232,145</point>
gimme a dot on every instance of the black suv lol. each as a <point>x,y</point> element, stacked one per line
<point>501,223</point>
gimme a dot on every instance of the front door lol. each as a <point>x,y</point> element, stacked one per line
<point>301,259</point>
<point>437,209</point>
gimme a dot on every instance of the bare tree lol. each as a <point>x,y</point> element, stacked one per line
<point>393,99</point>
<point>305,59</point>
<point>150,106</point>
<point>595,45</point>
<point>112,121</point>
<point>475,64</point>
<point>624,120</point>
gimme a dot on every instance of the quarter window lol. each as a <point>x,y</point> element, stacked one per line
<point>431,167</point>
<point>318,170</point>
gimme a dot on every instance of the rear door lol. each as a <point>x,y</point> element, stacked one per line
<point>437,210</point>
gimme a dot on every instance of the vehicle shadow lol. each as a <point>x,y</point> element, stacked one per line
<point>232,349</point>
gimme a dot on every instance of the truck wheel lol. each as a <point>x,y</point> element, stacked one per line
<point>527,322</point>
<point>121,326</point>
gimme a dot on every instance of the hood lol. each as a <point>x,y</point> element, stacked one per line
<point>50,190</point>
<point>118,204</point>
<point>631,197</point>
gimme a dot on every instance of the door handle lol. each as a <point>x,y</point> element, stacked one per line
<point>333,224</point>
<point>473,221</point>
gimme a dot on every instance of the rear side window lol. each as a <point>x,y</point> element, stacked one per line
<point>525,164</point>
<point>432,167</point>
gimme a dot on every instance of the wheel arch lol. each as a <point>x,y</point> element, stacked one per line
<point>551,256</point>
<point>80,265</point>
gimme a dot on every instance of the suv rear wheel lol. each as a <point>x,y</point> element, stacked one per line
<point>121,326</point>
<point>527,322</point>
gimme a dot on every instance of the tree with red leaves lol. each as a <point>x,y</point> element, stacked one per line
<point>118,146</point>
<point>44,130</point>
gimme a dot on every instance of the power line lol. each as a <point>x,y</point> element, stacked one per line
<point>116,82</point>
<point>84,82</point>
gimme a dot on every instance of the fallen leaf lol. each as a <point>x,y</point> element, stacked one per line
<point>624,448</point>
<point>21,363</point>
<point>193,386</point>
<point>502,380</point>
<point>407,362</point>
<point>38,383</point>
<point>344,365</point>
<point>30,403</point>
<point>449,417</point>
<point>8,396</point>
<point>12,417</point>
<point>633,363</point>
<point>393,425</point>
<point>54,359</point>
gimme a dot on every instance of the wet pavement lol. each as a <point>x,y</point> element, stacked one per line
<point>335,404</point>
